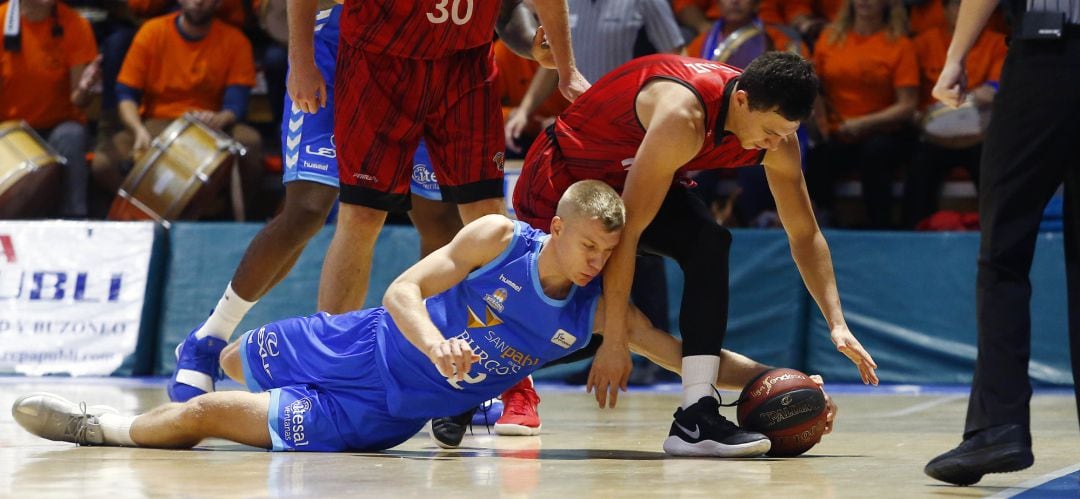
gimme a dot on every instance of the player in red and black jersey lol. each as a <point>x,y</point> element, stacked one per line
<point>406,71</point>
<point>639,129</point>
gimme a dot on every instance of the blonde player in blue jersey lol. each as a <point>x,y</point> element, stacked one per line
<point>456,329</point>
<point>311,184</point>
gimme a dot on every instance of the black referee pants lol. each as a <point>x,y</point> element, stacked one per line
<point>1029,151</point>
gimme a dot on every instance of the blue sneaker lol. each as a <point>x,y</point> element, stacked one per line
<point>488,413</point>
<point>197,367</point>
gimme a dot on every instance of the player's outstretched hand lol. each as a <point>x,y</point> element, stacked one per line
<point>306,86</point>
<point>847,344</point>
<point>830,406</point>
<point>951,86</point>
<point>610,373</point>
<point>453,358</point>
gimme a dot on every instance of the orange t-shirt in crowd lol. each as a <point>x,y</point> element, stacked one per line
<point>860,74</point>
<point>783,11</point>
<point>780,41</point>
<point>829,9</point>
<point>932,15</point>
<point>770,11</point>
<point>230,11</point>
<point>35,82</point>
<point>515,75</point>
<point>983,62</point>
<point>711,8</point>
<point>926,16</point>
<point>176,75</point>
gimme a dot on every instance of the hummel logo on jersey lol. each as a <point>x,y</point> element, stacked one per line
<point>563,339</point>
<point>692,434</point>
<point>513,285</point>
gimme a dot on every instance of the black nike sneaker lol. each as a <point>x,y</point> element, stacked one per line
<point>700,430</point>
<point>448,432</point>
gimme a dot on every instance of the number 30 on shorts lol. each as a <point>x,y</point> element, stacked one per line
<point>442,14</point>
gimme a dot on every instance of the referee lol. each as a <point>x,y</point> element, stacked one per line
<point>1028,153</point>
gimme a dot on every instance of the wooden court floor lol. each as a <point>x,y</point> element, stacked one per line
<point>883,438</point>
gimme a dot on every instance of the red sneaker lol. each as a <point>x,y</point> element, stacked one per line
<point>519,410</point>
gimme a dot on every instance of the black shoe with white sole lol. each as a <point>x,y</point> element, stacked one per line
<point>700,430</point>
<point>447,432</point>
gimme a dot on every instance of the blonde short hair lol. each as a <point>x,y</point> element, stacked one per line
<point>593,199</point>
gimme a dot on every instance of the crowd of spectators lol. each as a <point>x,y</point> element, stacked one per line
<point>99,80</point>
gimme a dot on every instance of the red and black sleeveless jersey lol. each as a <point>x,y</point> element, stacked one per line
<point>599,134</point>
<point>420,29</point>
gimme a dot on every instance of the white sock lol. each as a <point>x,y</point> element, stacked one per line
<point>228,313</point>
<point>116,429</point>
<point>698,376</point>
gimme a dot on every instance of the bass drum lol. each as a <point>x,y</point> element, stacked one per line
<point>175,179</point>
<point>29,172</point>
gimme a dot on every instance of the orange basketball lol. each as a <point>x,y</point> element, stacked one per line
<point>788,407</point>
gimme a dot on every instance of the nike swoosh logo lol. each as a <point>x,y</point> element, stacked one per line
<point>692,434</point>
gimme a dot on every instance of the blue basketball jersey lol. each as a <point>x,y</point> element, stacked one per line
<point>502,312</point>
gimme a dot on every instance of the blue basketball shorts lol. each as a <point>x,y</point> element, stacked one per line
<point>326,389</point>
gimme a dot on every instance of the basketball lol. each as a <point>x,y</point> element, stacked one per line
<point>788,407</point>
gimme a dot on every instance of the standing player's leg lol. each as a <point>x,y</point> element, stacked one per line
<point>236,416</point>
<point>685,231</point>
<point>436,221</point>
<point>311,180</point>
<point>347,268</point>
<point>381,104</point>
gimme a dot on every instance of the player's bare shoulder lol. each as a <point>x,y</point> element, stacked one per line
<point>486,236</point>
<point>669,99</point>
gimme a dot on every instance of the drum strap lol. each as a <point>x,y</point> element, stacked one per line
<point>12,40</point>
<point>11,27</point>
<point>716,50</point>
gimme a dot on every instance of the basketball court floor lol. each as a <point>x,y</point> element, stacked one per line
<point>883,437</point>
